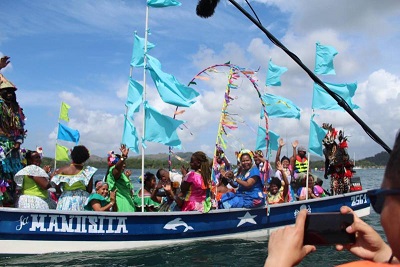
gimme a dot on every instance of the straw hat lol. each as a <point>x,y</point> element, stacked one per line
<point>5,84</point>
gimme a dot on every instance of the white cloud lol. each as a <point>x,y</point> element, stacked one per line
<point>100,35</point>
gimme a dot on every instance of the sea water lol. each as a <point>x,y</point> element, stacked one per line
<point>205,253</point>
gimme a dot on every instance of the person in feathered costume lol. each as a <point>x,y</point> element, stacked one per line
<point>337,160</point>
<point>12,133</point>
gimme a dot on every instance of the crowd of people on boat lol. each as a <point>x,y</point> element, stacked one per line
<point>206,185</point>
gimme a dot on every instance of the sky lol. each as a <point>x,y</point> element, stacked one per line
<point>79,52</point>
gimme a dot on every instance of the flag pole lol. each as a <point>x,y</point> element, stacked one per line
<point>55,148</point>
<point>341,102</point>
<point>144,98</point>
<point>308,172</point>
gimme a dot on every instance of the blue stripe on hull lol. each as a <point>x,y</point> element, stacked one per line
<point>18,224</point>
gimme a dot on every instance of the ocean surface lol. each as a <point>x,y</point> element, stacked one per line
<point>205,253</point>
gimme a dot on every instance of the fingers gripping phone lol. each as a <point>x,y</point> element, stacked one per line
<point>328,229</point>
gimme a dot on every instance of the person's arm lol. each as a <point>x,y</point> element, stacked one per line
<point>4,61</point>
<point>369,244</point>
<point>230,175</point>
<point>326,154</point>
<point>89,187</point>
<point>249,182</point>
<point>170,193</point>
<point>154,196</point>
<point>285,180</point>
<point>184,170</point>
<point>290,239</point>
<point>117,171</point>
<point>96,206</point>
<point>185,187</point>
<point>42,182</point>
<point>278,153</point>
<point>293,157</point>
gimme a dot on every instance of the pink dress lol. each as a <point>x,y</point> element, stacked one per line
<point>198,196</point>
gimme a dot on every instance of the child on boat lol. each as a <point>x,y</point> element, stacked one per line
<point>278,191</point>
<point>149,187</point>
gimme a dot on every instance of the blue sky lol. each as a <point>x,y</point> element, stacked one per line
<point>79,52</point>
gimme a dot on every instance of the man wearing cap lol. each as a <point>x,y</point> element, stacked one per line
<point>301,162</point>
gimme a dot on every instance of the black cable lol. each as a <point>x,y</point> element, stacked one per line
<point>341,102</point>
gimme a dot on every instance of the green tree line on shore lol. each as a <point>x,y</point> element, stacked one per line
<point>156,161</point>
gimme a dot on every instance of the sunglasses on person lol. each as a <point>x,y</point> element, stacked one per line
<point>377,197</point>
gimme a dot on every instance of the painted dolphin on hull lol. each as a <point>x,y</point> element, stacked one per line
<point>172,225</point>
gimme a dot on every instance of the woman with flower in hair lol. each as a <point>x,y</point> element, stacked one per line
<point>117,178</point>
<point>250,188</point>
<point>196,185</point>
<point>75,180</point>
<point>99,201</point>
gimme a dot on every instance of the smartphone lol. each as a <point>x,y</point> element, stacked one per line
<point>328,228</point>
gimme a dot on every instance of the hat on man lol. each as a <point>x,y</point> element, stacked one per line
<point>5,84</point>
<point>302,148</point>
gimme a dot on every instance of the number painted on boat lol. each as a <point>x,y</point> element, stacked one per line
<point>358,200</point>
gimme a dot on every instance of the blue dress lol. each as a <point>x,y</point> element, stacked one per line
<point>245,197</point>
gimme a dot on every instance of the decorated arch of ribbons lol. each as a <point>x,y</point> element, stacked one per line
<point>227,121</point>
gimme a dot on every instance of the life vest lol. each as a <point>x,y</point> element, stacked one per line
<point>301,164</point>
<point>364,263</point>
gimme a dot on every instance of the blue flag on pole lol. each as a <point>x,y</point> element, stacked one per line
<point>67,134</point>
<point>317,134</point>
<point>273,140</point>
<point>135,92</point>
<point>161,128</point>
<point>324,59</point>
<point>274,74</point>
<point>280,107</point>
<point>170,90</point>
<point>138,51</point>
<point>261,142</point>
<point>322,100</point>
<point>129,136</point>
<point>163,3</point>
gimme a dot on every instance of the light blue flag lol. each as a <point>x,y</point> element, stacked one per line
<point>138,51</point>
<point>163,3</point>
<point>273,140</point>
<point>274,74</point>
<point>324,59</point>
<point>317,134</point>
<point>170,90</point>
<point>261,143</point>
<point>280,107</point>
<point>161,128</point>
<point>129,136</point>
<point>322,100</point>
<point>135,92</point>
<point>67,134</point>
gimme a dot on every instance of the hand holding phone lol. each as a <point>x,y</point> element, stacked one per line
<point>328,229</point>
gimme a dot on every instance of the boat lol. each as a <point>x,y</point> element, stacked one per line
<point>50,231</point>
